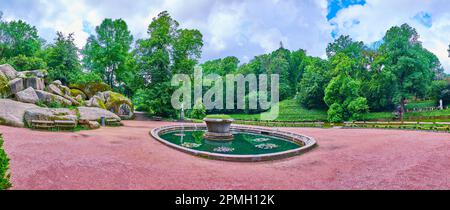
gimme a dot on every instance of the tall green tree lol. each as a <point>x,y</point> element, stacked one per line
<point>311,88</point>
<point>62,59</point>
<point>107,51</point>
<point>18,38</point>
<point>169,50</point>
<point>409,62</point>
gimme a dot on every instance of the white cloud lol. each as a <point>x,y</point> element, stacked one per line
<point>230,27</point>
<point>377,16</point>
<point>242,28</point>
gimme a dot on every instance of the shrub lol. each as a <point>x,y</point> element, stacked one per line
<point>199,110</point>
<point>335,113</point>
<point>357,108</point>
<point>4,87</point>
<point>55,104</point>
<point>86,78</point>
<point>4,167</point>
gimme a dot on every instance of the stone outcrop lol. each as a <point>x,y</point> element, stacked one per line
<point>12,112</point>
<point>8,71</point>
<point>96,101</point>
<point>32,74</point>
<point>95,114</point>
<point>119,104</point>
<point>27,96</point>
<point>16,85</point>
<point>75,93</point>
<point>58,89</point>
<point>50,114</point>
<point>34,82</point>
<point>47,98</point>
<point>91,89</point>
<point>52,88</point>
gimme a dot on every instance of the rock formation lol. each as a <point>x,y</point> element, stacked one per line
<point>28,89</point>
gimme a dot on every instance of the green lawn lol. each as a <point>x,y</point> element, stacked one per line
<point>290,110</point>
<point>421,104</point>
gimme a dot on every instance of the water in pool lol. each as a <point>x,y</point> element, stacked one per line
<point>242,144</point>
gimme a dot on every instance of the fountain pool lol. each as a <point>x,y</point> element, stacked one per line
<point>249,144</point>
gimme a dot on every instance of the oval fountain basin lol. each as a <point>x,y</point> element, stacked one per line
<point>249,144</point>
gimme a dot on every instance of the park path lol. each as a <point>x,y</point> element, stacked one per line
<point>128,158</point>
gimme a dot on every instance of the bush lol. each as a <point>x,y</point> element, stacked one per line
<point>4,87</point>
<point>357,108</point>
<point>24,63</point>
<point>335,113</point>
<point>199,110</point>
<point>85,78</point>
<point>4,167</point>
<point>156,100</point>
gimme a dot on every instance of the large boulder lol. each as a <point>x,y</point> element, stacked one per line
<point>52,88</point>
<point>95,114</point>
<point>34,82</point>
<point>47,98</point>
<point>16,85</point>
<point>58,89</point>
<point>119,104</point>
<point>49,114</point>
<point>32,74</point>
<point>27,96</point>
<point>91,89</point>
<point>96,101</point>
<point>75,93</point>
<point>12,112</point>
<point>8,71</point>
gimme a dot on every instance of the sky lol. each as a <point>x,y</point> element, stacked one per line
<point>246,28</point>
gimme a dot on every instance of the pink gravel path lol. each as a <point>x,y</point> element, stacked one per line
<point>128,158</point>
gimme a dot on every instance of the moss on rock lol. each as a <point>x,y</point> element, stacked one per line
<point>4,87</point>
<point>114,101</point>
<point>77,92</point>
<point>91,89</point>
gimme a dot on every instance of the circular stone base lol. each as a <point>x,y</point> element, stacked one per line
<point>218,136</point>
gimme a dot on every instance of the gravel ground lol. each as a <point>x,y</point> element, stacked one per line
<point>128,158</point>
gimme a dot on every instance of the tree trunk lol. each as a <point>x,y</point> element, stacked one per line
<point>402,109</point>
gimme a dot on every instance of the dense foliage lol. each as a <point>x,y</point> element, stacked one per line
<point>4,167</point>
<point>354,79</point>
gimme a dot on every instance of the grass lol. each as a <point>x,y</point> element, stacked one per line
<point>219,116</point>
<point>290,111</point>
<point>421,104</point>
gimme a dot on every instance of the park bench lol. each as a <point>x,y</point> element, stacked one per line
<point>157,118</point>
<point>112,122</point>
<point>42,124</point>
<point>65,124</point>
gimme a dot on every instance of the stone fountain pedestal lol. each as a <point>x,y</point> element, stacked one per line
<point>218,129</point>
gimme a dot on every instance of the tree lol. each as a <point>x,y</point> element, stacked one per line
<point>154,53</point>
<point>186,51</point>
<point>18,38</point>
<point>168,51</point>
<point>408,62</point>
<point>23,63</point>
<point>311,88</point>
<point>106,52</point>
<point>62,59</point>
<point>345,45</point>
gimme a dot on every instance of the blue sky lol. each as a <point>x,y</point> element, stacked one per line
<point>245,28</point>
<point>334,6</point>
